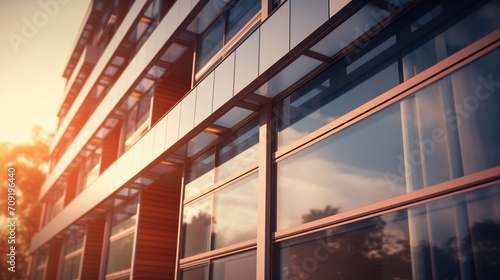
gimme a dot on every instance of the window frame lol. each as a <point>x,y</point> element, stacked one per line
<point>227,45</point>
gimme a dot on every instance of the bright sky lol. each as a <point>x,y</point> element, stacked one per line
<point>36,41</point>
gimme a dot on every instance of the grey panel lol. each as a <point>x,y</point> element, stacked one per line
<point>159,139</point>
<point>173,126</point>
<point>274,37</point>
<point>204,99</point>
<point>247,62</point>
<point>224,81</point>
<point>188,106</point>
<point>306,16</point>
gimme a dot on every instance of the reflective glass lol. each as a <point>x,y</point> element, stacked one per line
<point>71,268</point>
<point>342,172</point>
<point>73,243</point>
<point>120,254</point>
<point>39,274</point>
<point>210,42</point>
<point>239,15</point>
<point>444,131</point>
<point>195,273</point>
<point>199,142</point>
<point>200,173</point>
<point>235,212</point>
<point>241,266</point>
<point>124,218</point>
<point>227,217</point>
<point>451,238</point>
<point>144,109</point>
<point>473,27</point>
<point>197,229</point>
<point>329,96</point>
<point>239,150</point>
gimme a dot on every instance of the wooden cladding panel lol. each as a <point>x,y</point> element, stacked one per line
<point>157,233</point>
<point>110,148</point>
<point>52,269</point>
<point>168,92</point>
<point>72,184</point>
<point>93,248</point>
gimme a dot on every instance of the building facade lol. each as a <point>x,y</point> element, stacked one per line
<point>299,139</point>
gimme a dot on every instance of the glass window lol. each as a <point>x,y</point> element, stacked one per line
<point>197,229</point>
<point>236,212</point>
<point>91,168</point>
<point>229,22</point>
<point>40,273</point>
<point>121,241</point>
<point>120,254</point>
<point>329,96</point>
<point>452,238</point>
<point>200,173</point>
<point>238,16</point>
<point>210,42</point>
<point>41,264</point>
<point>124,218</point>
<point>240,266</point>
<point>73,243</point>
<point>447,40</point>
<point>239,150</point>
<point>227,217</point>
<point>195,273</point>
<point>72,256</point>
<point>342,172</point>
<point>71,268</point>
<point>433,34</point>
<point>444,131</point>
<point>137,120</point>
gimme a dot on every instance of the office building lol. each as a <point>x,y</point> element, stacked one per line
<point>299,139</point>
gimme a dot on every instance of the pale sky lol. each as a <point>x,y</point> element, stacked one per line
<point>36,41</point>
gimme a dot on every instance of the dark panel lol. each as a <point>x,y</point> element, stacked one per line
<point>93,248</point>
<point>157,232</point>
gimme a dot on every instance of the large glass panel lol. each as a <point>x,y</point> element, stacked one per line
<point>241,266</point>
<point>449,126</point>
<point>39,274</point>
<point>71,268</point>
<point>227,217</point>
<point>200,173</point>
<point>329,96</point>
<point>236,212</point>
<point>210,42</point>
<point>120,254</point>
<point>444,131</point>
<point>124,218</point>
<point>239,150</point>
<point>447,40</point>
<point>144,109</point>
<point>239,15</point>
<point>342,172</point>
<point>195,273</point>
<point>197,229</point>
<point>433,33</point>
<point>452,238</point>
<point>73,243</point>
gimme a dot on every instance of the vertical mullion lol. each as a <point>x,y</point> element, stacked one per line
<point>264,196</point>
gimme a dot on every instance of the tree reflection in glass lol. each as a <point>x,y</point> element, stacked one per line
<point>452,238</point>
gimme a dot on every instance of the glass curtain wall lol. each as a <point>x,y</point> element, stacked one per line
<point>73,252</point>
<point>220,208</point>
<point>121,241</point>
<point>377,150</point>
<point>440,132</point>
